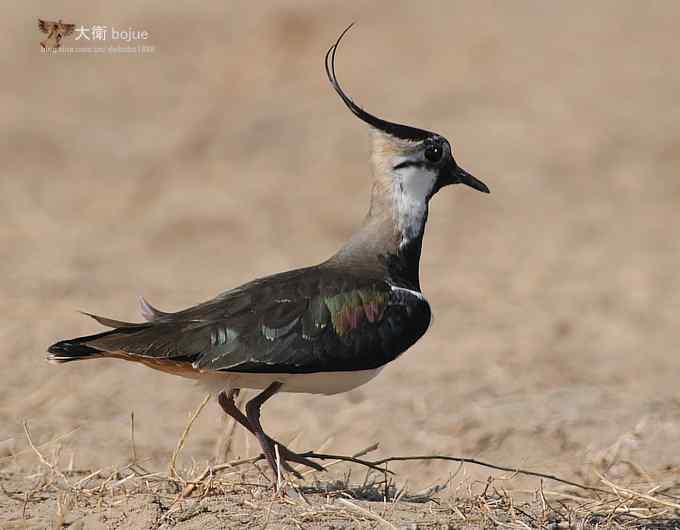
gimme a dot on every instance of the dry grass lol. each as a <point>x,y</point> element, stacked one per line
<point>240,494</point>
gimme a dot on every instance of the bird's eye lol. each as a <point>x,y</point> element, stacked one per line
<point>434,153</point>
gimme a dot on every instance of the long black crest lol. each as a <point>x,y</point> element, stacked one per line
<point>394,129</point>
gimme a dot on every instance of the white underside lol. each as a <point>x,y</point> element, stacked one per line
<point>315,383</point>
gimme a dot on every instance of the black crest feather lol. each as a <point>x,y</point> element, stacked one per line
<point>397,130</point>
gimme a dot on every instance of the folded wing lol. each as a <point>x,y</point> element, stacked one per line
<point>297,322</point>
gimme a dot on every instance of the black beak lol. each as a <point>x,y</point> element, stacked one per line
<point>465,178</point>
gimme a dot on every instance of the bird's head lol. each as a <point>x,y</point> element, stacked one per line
<point>420,162</point>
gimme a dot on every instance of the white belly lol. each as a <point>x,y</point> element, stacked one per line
<point>316,383</point>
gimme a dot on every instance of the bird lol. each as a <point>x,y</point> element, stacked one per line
<point>322,329</point>
<point>55,32</point>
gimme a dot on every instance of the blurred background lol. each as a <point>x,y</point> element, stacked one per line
<point>224,155</point>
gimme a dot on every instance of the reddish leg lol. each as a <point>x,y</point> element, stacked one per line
<point>227,403</point>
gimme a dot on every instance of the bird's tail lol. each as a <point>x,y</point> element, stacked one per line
<point>80,348</point>
<point>75,349</point>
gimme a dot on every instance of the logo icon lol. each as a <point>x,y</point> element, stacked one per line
<point>55,32</point>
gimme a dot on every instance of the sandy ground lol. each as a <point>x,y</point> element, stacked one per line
<point>224,155</point>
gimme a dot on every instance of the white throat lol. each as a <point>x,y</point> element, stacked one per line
<point>411,189</point>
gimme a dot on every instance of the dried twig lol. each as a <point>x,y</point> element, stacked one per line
<point>48,442</point>
<point>634,494</point>
<point>51,466</point>
<point>278,468</point>
<point>132,437</point>
<point>344,458</point>
<point>366,512</point>
<point>375,464</point>
<point>180,443</point>
<point>211,470</point>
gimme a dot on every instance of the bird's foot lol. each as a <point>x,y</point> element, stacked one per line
<point>287,456</point>
<point>228,404</point>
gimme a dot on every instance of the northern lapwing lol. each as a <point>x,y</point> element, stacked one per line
<point>323,329</point>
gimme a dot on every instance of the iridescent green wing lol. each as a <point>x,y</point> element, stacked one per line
<point>310,320</point>
<point>334,324</point>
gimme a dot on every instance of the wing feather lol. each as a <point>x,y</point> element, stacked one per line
<point>45,25</point>
<point>288,323</point>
